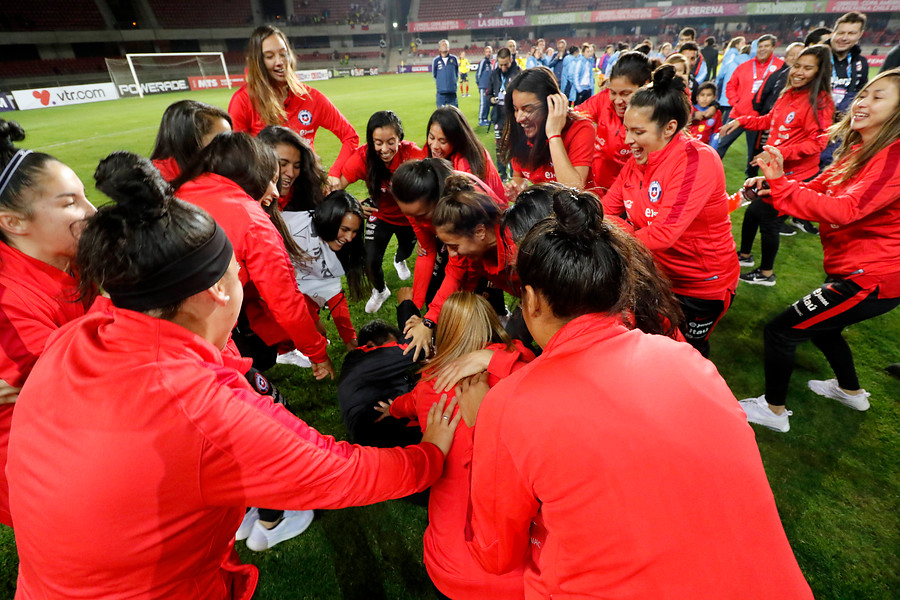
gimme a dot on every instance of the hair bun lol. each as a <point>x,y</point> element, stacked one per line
<point>134,183</point>
<point>665,79</point>
<point>458,183</point>
<point>10,132</point>
<point>579,214</point>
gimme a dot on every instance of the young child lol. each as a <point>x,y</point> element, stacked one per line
<point>703,128</point>
<point>464,69</point>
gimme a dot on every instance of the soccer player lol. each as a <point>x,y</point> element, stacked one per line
<point>445,70</point>
<point>464,69</point>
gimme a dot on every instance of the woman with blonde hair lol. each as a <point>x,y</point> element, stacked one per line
<point>468,325</point>
<point>274,95</point>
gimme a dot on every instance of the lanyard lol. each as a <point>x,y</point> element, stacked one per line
<point>766,70</point>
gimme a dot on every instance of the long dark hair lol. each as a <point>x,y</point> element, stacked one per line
<point>327,222</point>
<point>181,131</point>
<point>377,173</point>
<point>26,174</point>
<point>308,185</point>
<point>633,66</point>
<point>263,95</point>
<point>145,228</point>
<point>250,164</point>
<point>423,179</point>
<point>461,136</point>
<point>531,206</point>
<point>541,82</point>
<point>820,83</point>
<point>666,96</point>
<point>584,264</point>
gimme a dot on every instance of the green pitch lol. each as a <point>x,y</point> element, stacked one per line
<point>834,476</point>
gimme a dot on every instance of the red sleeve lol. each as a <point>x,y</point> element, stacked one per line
<point>453,276</point>
<point>591,107</point>
<point>354,168</point>
<point>875,187</point>
<point>241,110</point>
<point>424,263</point>
<point>505,362</point>
<point>492,177</point>
<point>336,123</point>
<point>688,188</point>
<point>273,458</point>
<point>501,504</point>
<point>23,336</point>
<point>755,122</point>
<point>404,407</point>
<point>580,143</point>
<point>613,202</point>
<point>269,268</point>
<point>816,139</point>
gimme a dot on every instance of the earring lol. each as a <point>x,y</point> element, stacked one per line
<point>226,298</point>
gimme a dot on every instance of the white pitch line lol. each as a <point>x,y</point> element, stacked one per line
<point>96,137</point>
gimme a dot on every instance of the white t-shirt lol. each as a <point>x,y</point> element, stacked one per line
<point>320,279</point>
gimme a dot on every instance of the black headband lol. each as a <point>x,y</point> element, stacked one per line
<point>188,275</point>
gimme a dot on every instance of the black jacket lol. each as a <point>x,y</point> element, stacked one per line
<point>497,111</point>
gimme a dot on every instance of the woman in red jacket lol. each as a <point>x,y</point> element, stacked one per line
<point>229,179</point>
<point>468,223</point>
<point>187,127</point>
<point>797,125</point>
<point>172,461</point>
<point>672,190</point>
<point>375,161</point>
<point>468,324</point>
<point>592,466</point>
<point>543,140</point>
<point>302,181</point>
<point>857,201</point>
<point>274,95</point>
<point>42,207</point>
<point>449,136</point>
<point>606,108</point>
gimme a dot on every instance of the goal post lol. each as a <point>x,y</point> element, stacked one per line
<point>132,74</point>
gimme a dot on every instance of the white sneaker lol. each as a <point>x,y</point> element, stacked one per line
<point>758,412</point>
<point>250,517</point>
<point>377,299</point>
<point>402,270</point>
<point>830,389</point>
<point>292,524</point>
<point>294,357</point>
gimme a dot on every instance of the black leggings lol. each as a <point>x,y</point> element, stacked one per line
<point>700,318</point>
<point>378,234</point>
<point>760,215</point>
<point>819,317</point>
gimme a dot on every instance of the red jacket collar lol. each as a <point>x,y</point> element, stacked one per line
<point>212,183</point>
<point>677,144</point>
<point>585,331</point>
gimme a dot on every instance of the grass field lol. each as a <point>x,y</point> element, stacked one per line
<point>834,476</point>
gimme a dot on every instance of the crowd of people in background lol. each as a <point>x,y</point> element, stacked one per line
<point>604,212</point>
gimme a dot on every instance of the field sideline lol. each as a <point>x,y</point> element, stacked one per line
<point>834,475</point>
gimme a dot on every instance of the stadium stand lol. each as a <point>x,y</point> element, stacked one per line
<point>177,14</point>
<point>438,10</point>
<point>50,15</point>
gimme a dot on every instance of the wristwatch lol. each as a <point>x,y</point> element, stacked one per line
<point>429,323</point>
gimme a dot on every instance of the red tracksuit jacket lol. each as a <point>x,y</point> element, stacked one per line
<point>429,242</point>
<point>305,114</point>
<point>679,208</point>
<point>596,474</point>
<point>274,304</point>
<point>137,422</point>
<point>859,220</point>
<point>492,177</point>
<point>610,150</point>
<point>793,130</point>
<point>746,80</point>
<point>168,168</point>
<point>36,299</point>
<point>499,269</point>
<point>578,138</point>
<point>355,169</point>
<point>450,564</point>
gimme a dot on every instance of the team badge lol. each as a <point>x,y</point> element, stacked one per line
<point>305,117</point>
<point>655,191</point>
<point>262,384</point>
<point>789,118</point>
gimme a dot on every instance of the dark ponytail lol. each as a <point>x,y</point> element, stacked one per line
<point>666,96</point>
<point>20,170</point>
<point>462,208</point>
<point>584,264</point>
<point>531,206</point>
<point>327,223</point>
<point>144,231</point>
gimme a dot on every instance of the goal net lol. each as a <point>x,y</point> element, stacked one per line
<point>139,74</point>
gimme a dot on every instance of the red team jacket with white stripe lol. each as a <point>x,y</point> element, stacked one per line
<point>610,150</point>
<point>858,219</point>
<point>794,131</point>
<point>275,306</point>
<point>679,208</point>
<point>305,114</point>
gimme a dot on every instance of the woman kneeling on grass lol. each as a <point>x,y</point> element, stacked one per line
<point>179,444</point>
<point>602,469</point>
<point>857,202</point>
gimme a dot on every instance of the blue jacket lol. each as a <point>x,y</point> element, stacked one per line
<point>583,76</point>
<point>445,76</point>
<point>730,62</point>
<point>568,72</point>
<point>556,64</point>
<point>483,74</point>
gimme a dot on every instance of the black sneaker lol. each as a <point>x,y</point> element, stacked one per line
<point>805,226</point>
<point>757,278</point>
<point>786,230</point>
<point>747,261</point>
